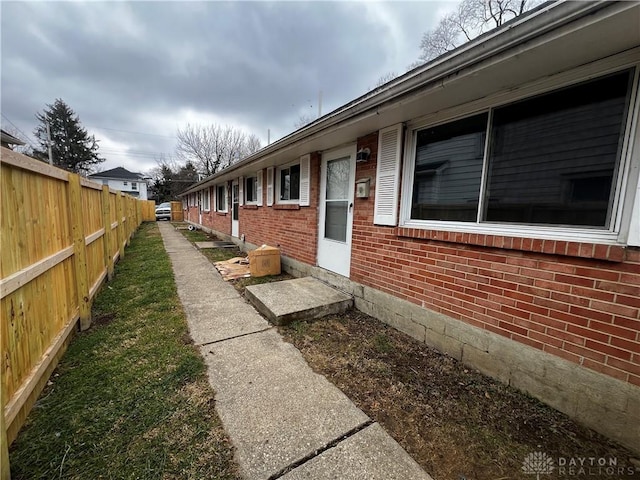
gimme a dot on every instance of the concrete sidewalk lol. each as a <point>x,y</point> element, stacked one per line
<point>285,421</point>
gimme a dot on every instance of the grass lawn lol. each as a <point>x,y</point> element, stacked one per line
<point>130,398</point>
<point>219,254</point>
<point>213,254</point>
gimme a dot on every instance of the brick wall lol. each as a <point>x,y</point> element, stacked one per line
<point>578,301</point>
<point>219,221</point>
<point>291,227</point>
<point>191,214</point>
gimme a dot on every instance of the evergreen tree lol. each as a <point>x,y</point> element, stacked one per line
<point>72,147</point>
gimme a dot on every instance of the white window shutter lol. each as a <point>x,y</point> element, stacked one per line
<point>241,191</point>
<point>305,180</point>
<point>270,186</point>
<point>215,198</point>
<point>388,176</point>
<point>259,189</point>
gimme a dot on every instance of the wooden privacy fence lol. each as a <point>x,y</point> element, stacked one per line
<point>177,215</point>
<point>148,210</point>
<point>60,237</point>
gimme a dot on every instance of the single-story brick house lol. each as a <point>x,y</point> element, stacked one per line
<point>486,203</point>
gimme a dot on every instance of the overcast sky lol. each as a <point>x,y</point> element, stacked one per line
<point>134,72</point>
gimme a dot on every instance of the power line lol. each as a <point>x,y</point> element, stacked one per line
<point>26,137</point>
<point>129,154</point>
<point>126,150</point>
<point>130,131</point>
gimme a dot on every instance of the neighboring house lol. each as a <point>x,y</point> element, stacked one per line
<point>486,203</point>
<point>9,141</point>
<point>135,184</point>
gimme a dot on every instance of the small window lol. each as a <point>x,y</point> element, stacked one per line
<point>134,186</point>
<point>221,198</point>
<point>206,201</point>
<point>125,183</point>
<point>251,189</point>
<point>289,183</point>
<point>448,168</point>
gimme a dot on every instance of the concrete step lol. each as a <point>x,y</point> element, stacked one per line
<point>298,299</point>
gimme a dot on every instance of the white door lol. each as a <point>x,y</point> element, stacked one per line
<point>337,183</point>
<point>235,209</point>
<point>199,208</point>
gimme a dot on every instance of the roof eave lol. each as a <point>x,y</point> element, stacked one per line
<point>539,21</point>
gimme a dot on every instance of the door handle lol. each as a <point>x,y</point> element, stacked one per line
<point>350,207</point>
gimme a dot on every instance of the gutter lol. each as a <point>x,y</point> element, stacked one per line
<point>547,17</point>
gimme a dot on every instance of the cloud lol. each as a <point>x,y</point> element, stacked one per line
<point>128,68</point>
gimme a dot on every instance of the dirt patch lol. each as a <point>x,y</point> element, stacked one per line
<point>455,422</point>
<point>186,339</point>
<point>103,319</point>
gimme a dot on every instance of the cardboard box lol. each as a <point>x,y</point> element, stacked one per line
<point>264,261</point>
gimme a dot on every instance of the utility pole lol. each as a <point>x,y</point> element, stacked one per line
<point>49,143</point>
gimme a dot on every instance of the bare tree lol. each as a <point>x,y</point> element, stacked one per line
<point>304,119</point>
<point>214,147</point>
<point>387,77</point>
<point>253,143</point>
<point>470,19</point>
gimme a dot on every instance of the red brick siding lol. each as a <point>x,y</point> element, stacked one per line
<point>560,297</point>
<point>291,227</point>
<point>218,221</point>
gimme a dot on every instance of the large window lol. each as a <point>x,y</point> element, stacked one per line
<point>550,160</point>
<point>251,189</point>
<point>221,198</point>
<point>289,183</point>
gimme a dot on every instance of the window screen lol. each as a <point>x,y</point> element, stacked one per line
<point>448,169</point>
<point>554,157</point>
<point>290,183</point>
<point>251,189</point>
<point>221,198</point>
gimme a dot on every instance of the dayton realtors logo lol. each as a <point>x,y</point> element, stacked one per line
<point>539,463</point>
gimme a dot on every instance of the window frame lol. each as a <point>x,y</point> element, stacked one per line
<point>614,232</point>
<point>134,186</point>
<point>278,170</point>
<point>255,189</point>
<point>206,200</point>
<point>222,186</point>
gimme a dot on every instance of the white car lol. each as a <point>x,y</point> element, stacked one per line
<point>163,211</point>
